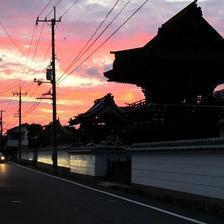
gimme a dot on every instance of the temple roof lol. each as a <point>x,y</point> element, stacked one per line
<point>188,24</point>
<point>186,28</point>
<point>103,105</point>
<point>186,38</point>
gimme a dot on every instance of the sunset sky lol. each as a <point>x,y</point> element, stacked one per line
<point>77,92</point>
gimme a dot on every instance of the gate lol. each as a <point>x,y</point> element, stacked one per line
<point>119,171</point>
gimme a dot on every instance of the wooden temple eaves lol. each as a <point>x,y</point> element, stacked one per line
<point>183,61</point>
<point>102,106</point>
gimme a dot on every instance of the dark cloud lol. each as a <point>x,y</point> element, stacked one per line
<point>92,71</point>
<point>107,67</point>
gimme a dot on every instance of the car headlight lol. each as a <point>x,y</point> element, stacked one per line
<point>2,157</point>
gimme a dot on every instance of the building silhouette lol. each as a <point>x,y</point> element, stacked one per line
<point>182,63</point>
<point>178,71</point>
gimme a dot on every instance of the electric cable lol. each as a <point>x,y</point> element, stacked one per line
<point>105,41</point>
<point>66,11</point>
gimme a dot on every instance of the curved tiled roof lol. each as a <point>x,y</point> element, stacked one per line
<point>100,106</point>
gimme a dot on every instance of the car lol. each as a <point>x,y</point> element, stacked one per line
<point>2,158</point>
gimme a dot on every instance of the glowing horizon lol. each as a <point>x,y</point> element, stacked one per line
<point>79,90</point>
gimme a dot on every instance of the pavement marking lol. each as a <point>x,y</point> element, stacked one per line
<point>16,202</point>
<point>117,196</point>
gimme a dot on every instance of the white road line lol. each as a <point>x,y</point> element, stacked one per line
<point>117,196</point>
<point>16,202</point>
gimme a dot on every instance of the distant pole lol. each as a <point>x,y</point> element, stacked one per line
<point>1,128</point>
<point>54,95</point>
<point>20,94</point>
<point>55,156</point>
<point>20,123</point>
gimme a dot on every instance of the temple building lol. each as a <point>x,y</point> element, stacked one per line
<point>103,121</point>
<point>182,63</point>
<point>178,71</point>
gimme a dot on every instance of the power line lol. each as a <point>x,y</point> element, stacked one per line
<point>35,53</point>
<point>8,103</point>
<point>53,9</point>
<point>45,7</point>
<point>42,67</point>
<point>37,44</point>
<point>106,40</point>
<point>14,43</point>
<point>89,40</point>
<point>32,108</point>
<point>40,34</point>
<point>96,39</point>
<point>28,54</point>
<point>11,123</point>
<point>31,43</point>
<point>102,22</point>
<point>34,29</point>
<point>9,36</point>
<point>9,88</point>
<point>35,50</point>
<point>31,95</point>
<point>97,29</point>
<point>66,11</point>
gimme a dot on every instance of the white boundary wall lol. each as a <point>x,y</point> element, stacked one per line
<point>200,173</point>
<point>46,157</point>
<point>93,163</point>
<point>88,161</point>
<point>83,164</point>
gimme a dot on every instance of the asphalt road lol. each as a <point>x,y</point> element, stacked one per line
<point>30,197</point>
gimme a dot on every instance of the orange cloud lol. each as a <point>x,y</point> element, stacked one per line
<point>79,90</point>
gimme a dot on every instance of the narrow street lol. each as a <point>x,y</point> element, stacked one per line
<point>27,196</point>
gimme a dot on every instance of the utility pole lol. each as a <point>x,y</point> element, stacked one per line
<point>1,129</point>
<point>20,94</point>
<point>52,79</point>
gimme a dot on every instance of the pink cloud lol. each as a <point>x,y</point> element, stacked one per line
<point>71,35</point>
